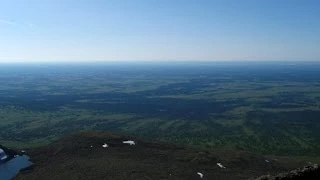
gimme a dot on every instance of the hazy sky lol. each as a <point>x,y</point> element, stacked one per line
<point>96,30</point>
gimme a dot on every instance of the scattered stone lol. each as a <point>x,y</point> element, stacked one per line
<point>131,143</point>
<point>200,174</point>
<point>105,145</point>
<point>221,166</point>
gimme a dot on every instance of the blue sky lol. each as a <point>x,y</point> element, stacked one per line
<point>159,30</point>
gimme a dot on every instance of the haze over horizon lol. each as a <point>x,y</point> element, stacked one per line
<point>152,30</point>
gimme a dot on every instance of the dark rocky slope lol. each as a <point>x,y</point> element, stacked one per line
<point>307,172</point>
<point>83,157</point>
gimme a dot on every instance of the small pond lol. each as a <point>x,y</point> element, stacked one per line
<point>11,168</point>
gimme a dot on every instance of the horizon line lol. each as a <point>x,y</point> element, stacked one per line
<point>148,61</point>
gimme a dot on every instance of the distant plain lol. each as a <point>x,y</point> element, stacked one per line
<point>267,107</point>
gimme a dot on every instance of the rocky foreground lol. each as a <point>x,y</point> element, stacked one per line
<point>110,156</point>
<point>307,172</point>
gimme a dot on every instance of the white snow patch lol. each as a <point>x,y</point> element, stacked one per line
<point>105,145</point>
<point>129,142</point>
<point>1,151</point>
<point>200,174</point>
<point>4,157</point>
<point>220,165</point>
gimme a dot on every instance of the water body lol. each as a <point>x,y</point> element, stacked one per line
<point>11,168</point>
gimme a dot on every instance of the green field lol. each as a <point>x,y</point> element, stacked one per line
<point>269,108</point>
